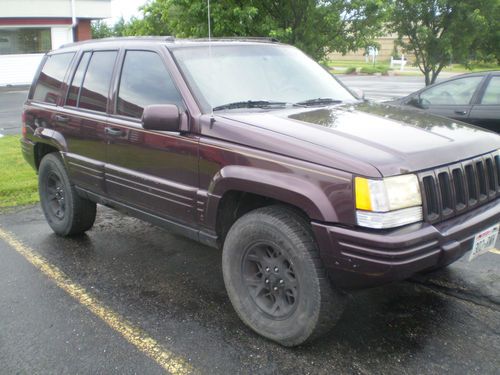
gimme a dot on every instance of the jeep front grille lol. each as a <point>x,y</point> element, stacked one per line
<point>458,188</point>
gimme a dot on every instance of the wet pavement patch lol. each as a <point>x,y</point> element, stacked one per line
<point>172,290</point>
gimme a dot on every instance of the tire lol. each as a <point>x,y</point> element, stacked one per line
<point>297,303</point>
<point>66,212</point>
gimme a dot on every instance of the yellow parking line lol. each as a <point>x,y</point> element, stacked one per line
<point>495,251</point>
<point>166,359</point>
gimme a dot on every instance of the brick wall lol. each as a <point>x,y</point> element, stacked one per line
<point>83,30</point>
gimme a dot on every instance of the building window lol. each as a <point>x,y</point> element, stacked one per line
<point>24,40</point>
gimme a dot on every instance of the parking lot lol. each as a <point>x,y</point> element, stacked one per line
<point>11,103</point>
<point>130,298</point>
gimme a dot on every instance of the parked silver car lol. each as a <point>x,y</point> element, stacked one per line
<point>472,98</point>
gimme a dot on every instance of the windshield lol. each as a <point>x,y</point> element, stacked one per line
<point>221,75</point>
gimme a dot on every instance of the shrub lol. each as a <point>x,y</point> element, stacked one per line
<point>375,69</point>
<point>350,70</point>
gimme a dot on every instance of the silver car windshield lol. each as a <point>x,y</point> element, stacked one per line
<point>256,73</point>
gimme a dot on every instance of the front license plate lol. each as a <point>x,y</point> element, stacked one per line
<point>484,241</point>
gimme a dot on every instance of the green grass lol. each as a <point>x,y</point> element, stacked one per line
<point>474,67</point>
<point>18,181</point>
<point>353,63</point>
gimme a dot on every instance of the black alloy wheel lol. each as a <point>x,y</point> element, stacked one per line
<point>270,278</point>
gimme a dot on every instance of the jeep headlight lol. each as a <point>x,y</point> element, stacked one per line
<point>389,202</point>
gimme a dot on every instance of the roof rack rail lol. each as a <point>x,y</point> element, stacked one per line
<point>167,38</point>
<point>239,38</point>
<point>172,39</point>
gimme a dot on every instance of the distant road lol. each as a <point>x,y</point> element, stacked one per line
<point>380,88</point>
<point>11,104</point>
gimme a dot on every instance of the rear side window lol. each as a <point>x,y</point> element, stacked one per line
<point>144,80</point>
<point>74,89</point>
<point>48,86</point>
<point>95,87</point>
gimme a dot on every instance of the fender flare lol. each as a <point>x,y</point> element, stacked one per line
<point>50,137</point>
<point>285,187</point>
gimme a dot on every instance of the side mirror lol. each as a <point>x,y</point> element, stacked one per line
<point>418,102</point>
<point>163,117</point>
<point>423,103</point>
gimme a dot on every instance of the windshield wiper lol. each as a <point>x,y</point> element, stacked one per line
<point>250,104</point>
<point>319,101</point>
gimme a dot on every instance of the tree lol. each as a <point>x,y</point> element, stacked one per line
<point>100,29</point>
<point>321,27</point>
<point>440,31</point>
<point>487,43</point>
<point>316,26</point>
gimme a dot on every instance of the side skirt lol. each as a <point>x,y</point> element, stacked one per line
<point>205,238</point>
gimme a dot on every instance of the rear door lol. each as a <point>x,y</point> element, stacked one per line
<point>84,116</point>
<point>453,98</point>
<point>486,113</point>
<point>154,171</point>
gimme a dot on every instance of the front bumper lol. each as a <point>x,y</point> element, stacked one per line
<point>357,258</point>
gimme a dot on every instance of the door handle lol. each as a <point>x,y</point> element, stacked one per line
<point>114,132</point>
<point>60,118</point>
<point>459,112</point>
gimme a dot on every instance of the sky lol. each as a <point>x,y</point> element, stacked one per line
<point>125,8</point>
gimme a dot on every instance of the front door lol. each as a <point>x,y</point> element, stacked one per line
<point>154,171</point>
<point>453,98</point>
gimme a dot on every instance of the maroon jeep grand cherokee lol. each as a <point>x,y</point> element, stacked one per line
<point>252,147</point>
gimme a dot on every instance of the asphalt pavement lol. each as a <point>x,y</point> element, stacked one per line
<point>70,305</point>
<point>11,105</point>
<point>380,88</point>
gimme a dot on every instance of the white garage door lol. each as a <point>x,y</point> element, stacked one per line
<point>18,69</point>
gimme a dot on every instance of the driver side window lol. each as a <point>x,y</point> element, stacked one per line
<point>144,81</point>
<point>456,92</point>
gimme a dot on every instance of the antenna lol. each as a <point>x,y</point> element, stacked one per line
<point>209,25</point>
<point>210,56</point>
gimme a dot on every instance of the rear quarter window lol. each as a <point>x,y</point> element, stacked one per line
<point>48,86</point>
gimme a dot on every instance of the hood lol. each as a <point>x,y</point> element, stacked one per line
<point>391,139</point>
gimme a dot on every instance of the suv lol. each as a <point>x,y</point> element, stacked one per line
<point>252,147</point>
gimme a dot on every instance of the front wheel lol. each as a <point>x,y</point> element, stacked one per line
<point>66,212</point>
<point>275,278</point>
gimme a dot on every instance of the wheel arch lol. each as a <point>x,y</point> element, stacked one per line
<point>238,190</point>
<point>47,141</point>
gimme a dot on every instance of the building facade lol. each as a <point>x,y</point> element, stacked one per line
<point>30,28</point>
<point>386,49</point>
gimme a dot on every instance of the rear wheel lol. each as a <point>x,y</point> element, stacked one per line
<point>275,278</point>
<point>66,212</point>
